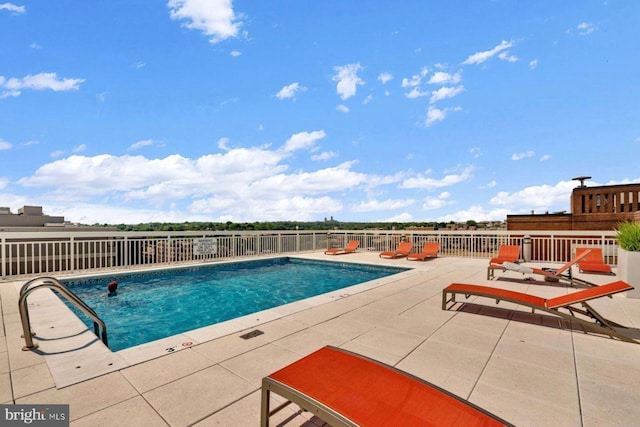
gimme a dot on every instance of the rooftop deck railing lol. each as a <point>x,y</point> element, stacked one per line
<point>24,254</point>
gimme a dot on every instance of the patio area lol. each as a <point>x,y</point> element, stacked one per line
<point>528,369</point>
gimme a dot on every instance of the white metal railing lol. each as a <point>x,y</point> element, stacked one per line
<point>56,252</point>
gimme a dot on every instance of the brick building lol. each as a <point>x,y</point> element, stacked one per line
<point>592,208</point>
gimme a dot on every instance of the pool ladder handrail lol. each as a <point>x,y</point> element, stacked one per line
<point>53,283</point>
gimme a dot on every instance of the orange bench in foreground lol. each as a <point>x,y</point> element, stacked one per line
<point>346,389</point>
<point>574,305</point>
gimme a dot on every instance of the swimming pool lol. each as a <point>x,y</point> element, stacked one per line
<point>161,303</point>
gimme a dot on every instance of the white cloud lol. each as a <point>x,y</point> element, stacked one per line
<point>348,80</point>
<point>436,115</point>
<point>403,217</point>
<point>13,8</point>
<point>235,53</point>
<point>442,78</point>
<point>303,140</point>
<point>41,81</point>
<point>480,57</point>
<point>80,148</point>
<point>533,64</point>
<point>368,99</point>
<point>427,183</point>
<point>545,157</point>
<point>416,93</point>
<point>586,28</point>
<point>325,155</point>
<point>523,155</point>
<point>507,56</point>
<point>416,79</point>
<point>539,198</point>
<point>223,143</point>
<point>4,145</point>
<point>140,144</point>
<point>385,77</point>
<point>8,93</point>
<point>214,18</point>
<point>56,154</point>
<point>382,205</point>
<point>445,93</point>
<point>475,152</point>
<point>290,91</point>
<point>442,200</point>
<point>342,108</point>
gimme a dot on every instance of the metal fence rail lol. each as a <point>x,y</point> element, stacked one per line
<point>37,253</point>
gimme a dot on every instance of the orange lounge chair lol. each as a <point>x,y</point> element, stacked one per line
<point>594,262</point>
<point>586,315</point>
<point>430,250</point>
<point>404,248</point>
<point>553,274</point>
<point>351,247</point>
<point>506,253</point>
<point>346,389</point>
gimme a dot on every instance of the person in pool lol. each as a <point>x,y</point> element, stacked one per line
<point>113,289</point>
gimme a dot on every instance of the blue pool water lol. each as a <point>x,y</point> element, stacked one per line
<point>161,303</point>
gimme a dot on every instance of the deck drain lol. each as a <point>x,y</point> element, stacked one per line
<point>251,334</point>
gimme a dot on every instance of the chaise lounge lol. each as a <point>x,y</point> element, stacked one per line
<point>350,248</point>
<point>346,389</point>
<point>404,248</point>
<point>561,274</point>
<point>584,314</point>
<point>593,262</point>
<point>430,250</point>
<point>506,253</point>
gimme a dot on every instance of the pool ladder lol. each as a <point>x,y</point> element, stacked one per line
<point>53,283</point>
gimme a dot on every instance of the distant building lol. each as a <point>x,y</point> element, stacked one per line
<point>592,208</point>
<point>31,218</point>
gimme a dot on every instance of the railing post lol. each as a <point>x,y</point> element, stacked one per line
<point>3,256</point>
<point>72,254</point>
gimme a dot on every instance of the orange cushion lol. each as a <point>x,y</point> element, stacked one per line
<point>372,394</point>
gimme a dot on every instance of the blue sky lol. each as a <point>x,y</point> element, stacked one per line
<point>213,110</point>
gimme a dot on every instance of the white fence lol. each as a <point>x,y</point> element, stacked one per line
<point>25,254</point>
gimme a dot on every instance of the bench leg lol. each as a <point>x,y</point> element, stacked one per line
<point>264,408</point>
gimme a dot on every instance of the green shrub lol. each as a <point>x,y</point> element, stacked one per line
<point>628,235</point>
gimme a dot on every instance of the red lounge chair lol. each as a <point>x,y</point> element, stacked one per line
<point>584,315</point>
<point>430,250</point>
<point>351,247</point>
<point>404,248</point>
<point>345,389</point>
<point>553,274</point>
<point>506,253</point>
<point>594,262</point>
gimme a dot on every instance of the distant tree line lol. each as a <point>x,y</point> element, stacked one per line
<point>283,225</point>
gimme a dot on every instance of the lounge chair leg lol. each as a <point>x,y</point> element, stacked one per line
<point>264,413</point>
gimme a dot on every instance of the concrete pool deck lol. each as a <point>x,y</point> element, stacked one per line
<point>529,371</point>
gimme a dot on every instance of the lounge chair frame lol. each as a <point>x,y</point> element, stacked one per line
<point>560,274</point>
<point>350,248</point>
<point>594,262</point>
<point>584,314</point>
<point>403,249</point>
<point>430,250</point>
<point>329,358</point>
<point>506,253</point>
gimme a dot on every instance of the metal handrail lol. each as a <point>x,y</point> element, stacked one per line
<point>53,283</point>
